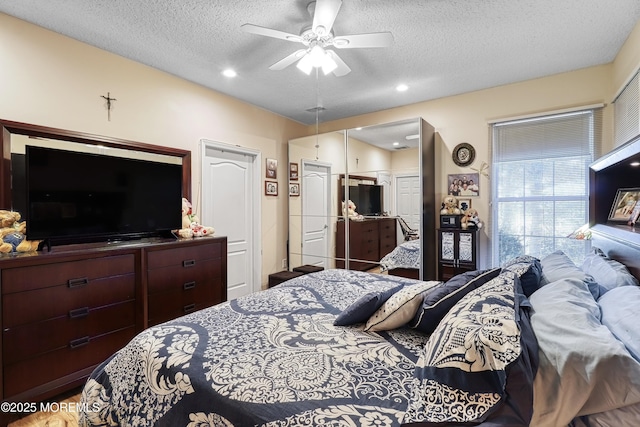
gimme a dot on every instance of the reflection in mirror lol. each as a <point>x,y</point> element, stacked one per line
<point>313,209</point>
<point>389,155</point>
<point>377,168</point>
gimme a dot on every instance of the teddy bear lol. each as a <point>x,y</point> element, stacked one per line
<point>13,234</point>
<point>191,226</point>
<point>470,219</point>
<point>450,206</point>
<point>350,211</point>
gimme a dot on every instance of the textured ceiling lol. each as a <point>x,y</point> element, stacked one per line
<point>441,47</point>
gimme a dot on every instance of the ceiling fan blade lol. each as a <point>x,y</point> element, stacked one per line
<point>342,69</point>
<point>270,32</point>
<point>324,15</point>
<point>285,62</point>
<point>363,40</point>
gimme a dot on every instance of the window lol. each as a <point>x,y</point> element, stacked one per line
<point>540,183</point>
<point>627,112</point>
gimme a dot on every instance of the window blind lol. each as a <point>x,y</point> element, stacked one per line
<point>540,183</point>
<point>627,112</point>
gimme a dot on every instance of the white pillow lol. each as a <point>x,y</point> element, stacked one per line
<point>400,308</point>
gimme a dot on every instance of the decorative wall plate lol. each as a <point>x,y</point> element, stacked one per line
<point>463,154</point>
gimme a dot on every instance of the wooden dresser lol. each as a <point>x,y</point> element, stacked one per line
<point>66,311</point>
<point>369,241</point>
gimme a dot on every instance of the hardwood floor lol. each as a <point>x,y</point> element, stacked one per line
<point>56,418</point>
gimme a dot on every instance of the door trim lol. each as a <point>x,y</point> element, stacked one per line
<point>256,250</point>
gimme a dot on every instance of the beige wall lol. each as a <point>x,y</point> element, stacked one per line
<point>51,80</point>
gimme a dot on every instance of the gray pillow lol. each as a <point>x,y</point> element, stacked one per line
<point>583,368</point>
<point>558,265</point>
<point>619,308</point>
<point>607,273</point>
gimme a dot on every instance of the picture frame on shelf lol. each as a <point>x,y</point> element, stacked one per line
<point>294,189</point>
<point>464,204</point>
<point>635,214</point>
<point>624,204</point>
<point>271,188</point>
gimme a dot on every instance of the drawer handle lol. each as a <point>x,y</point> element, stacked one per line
<point>189,308</point>
<point>79,312</point>
<point>189,263</point>
<point>189,285</point>
<point>79,342</point>
<point>74,283</point>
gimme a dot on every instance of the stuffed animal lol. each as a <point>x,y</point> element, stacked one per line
<point>13,234</point>
<point>191,226</point>
<point>470,219</point>
<point>350,211</point>
<point>450,206</point>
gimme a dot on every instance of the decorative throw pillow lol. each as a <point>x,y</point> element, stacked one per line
<point>607,272</point>
<point>399,308</point>
<point>461,377</point>
<point>558,265</point>
<point>362,308</point>
<point>438,301</point>
<point>529,269</point>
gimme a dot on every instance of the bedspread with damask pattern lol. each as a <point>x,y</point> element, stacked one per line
<point>273,358</point>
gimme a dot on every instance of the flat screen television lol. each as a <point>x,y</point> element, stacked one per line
<point>368,198</point>
<point>74,197</point>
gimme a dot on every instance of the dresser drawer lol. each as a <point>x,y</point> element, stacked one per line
<point>27,374</point>
<point>183,256</point>
<point>52,302</point>
<point>34,339</point>
<point>178,277</point>
<point>168,306</point>
<point>180,302</point>
<point>65,273</point>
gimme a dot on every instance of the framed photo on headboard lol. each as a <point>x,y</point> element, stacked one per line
<point>624,203</point>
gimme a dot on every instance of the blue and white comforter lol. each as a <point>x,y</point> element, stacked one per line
<point>405,255</point>
<point>273,358</point>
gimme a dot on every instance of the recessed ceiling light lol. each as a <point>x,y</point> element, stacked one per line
<point>396,143</point>
<point>229,73</point>
<point>635,163</point>
<point>402,87</point>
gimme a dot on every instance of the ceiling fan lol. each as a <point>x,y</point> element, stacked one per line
<point>318,38</point>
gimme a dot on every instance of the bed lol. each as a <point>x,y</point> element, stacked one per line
<point>403,260</point>
<point>350,348</point>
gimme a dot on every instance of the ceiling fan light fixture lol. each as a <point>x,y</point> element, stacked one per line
<point>317,55</point>
<point>328,64</point>
<point>305,64</point>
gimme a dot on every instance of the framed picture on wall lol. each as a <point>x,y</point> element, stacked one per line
<point>271,188</point>
<point>272,168</point>
<point>293,171</point>
<point>464,184</point>
<point>624,203</point>
<point>294,189</point>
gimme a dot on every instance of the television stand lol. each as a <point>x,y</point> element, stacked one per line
<point>66,310</point>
